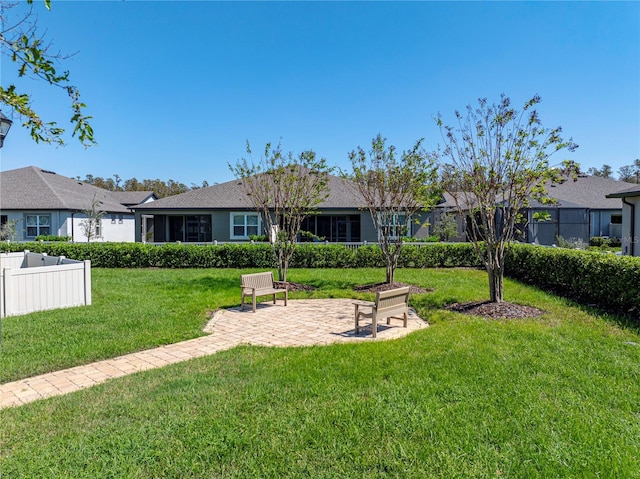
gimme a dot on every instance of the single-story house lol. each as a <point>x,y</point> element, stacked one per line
<point>630,219</point>
<point>582,210</point>
<point>223,213</point>
<point>40,202</point>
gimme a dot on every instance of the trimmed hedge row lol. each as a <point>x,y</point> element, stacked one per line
<point>138,255</point>
<point>609,281</point>
<point>606,280</point>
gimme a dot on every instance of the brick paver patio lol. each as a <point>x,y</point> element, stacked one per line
<point>301,323</point>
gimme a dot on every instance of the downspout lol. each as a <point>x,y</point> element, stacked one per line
<point>632,226</point>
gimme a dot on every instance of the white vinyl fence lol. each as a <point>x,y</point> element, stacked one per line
<point>37,282</point>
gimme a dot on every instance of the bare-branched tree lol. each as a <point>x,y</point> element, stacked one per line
<point>498,162</point>
<point>285,189</point>
<point>394,189</point>
<point>91,223</point>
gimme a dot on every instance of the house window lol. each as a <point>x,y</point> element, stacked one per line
<point>244,225</point>
<point>98,229</point>
<point>397,224</point>
<point>113,219</point>
<point>120,219</point>
<point>616,219</point>
<point>38,225</point>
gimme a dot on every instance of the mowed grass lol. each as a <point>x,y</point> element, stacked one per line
<point>554,396</point>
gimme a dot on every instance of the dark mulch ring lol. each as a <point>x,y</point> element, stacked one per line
<point>300,287</point>
<point>490,310</point>
<point>374,288</point>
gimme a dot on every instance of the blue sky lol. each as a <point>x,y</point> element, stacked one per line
<point>177,88</point>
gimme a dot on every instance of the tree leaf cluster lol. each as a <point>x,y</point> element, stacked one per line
<point>23,45</point>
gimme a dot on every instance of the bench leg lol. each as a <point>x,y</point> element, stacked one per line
<point>374,325</point>
<point>406,317</point>
<point>254,303</point>
<point>274,298</point>
<point>356,318</point>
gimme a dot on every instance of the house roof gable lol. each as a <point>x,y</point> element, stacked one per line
<point>32,188</point>
<point>230,195</point>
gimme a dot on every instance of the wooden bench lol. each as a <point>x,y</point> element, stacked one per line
<point>389,304</point>
<point>261,284</point>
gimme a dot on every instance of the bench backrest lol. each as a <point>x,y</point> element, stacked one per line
<point>257,280</point>
<point>392,298</point>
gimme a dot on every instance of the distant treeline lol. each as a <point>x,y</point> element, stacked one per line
<point>159,187</point>
<point>628,173</point>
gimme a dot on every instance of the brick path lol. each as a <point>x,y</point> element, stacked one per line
<point>301,323</point>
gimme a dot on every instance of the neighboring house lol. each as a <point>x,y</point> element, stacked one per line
<point>582,210</point>
<point>630,219</point>
<point>41,202</point>
<point>223,213</point>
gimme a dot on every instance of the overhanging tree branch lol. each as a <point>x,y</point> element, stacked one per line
<point>21,43</point>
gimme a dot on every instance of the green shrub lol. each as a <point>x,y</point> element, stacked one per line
<point>53,238</point>
<point>246,255</point>
<point>602,242</point>
<point>606,280</point>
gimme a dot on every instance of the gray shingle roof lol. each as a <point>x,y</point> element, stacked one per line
<point>32,188</point>
<point>230,195</point>
<point>629,192</point>
<point>131,198</point>
<point>589,192</point>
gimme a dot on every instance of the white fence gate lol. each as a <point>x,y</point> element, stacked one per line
<point>37,282</point>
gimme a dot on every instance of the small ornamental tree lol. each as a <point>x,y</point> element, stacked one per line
<point>285,190</point>
<point>90,225</point>
<point>498,161</point>
<point>394,189</point>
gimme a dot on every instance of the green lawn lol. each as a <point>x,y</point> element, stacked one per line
<point>556,396</point>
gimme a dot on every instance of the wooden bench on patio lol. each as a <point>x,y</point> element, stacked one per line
<point>389,304</point>
<point>261,284</point>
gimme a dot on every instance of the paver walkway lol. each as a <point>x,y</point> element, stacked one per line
<point>301,323</point>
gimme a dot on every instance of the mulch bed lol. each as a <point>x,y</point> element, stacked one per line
<point>300,287</point>
<point>485,309</point>
<point>374,288</point>
<point>490,310</point>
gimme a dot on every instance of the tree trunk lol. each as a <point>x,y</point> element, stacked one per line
<point>496,284</point>
<point>390,271</point>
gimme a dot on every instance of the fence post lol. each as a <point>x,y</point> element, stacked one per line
<point>87,282</point>
<point>7,291</point>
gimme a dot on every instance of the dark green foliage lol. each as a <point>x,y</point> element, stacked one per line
<point>306,255</point>
<point>53,238</point>
<point>606,280</point>
<point>600,241</point>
